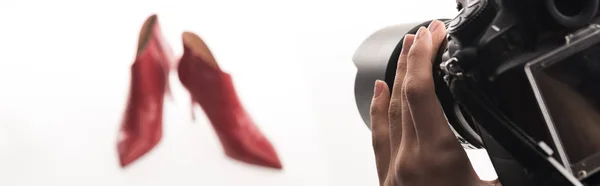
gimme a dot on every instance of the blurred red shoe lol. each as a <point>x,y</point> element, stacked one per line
<point>141,128</point>
<point>214,91</point>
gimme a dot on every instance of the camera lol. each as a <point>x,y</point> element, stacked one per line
<point>519,78</point>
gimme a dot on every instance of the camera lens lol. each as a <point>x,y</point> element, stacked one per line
<point>377,58</point>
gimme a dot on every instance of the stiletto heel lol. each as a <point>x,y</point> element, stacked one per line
<point>168,93</point>
<point>141,128</point>
<point>192,106</point>
<point>214,91</point>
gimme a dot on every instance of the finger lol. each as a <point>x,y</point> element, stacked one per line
<point>395,111</point>
<point>438,35</point>
<point>401,67</point>
<point>380,128</point>
<point>429,121</point>
<point>409,137</point>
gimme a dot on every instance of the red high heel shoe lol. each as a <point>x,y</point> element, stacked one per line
<point>141,128</point>
<point>214,91</point>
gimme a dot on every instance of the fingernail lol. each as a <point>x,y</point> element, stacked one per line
<point>407,44</point>
<point>378,89</point>
<point>423,33</point>
<point>434,25</point>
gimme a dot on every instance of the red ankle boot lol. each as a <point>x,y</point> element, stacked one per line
<point>141,127</point>
<point>214,91</point>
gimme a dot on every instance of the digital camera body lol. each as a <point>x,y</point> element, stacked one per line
<point>520,78</point>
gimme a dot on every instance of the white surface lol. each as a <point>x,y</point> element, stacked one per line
<point>64,78</point>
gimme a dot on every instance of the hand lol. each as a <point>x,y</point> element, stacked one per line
<point>413,144</point>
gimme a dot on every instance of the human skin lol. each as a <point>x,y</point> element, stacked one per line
<point>413,144</point>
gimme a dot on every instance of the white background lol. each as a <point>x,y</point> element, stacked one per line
<point>64,77</point>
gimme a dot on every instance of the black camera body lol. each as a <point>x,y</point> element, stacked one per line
<point>493,79</point>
